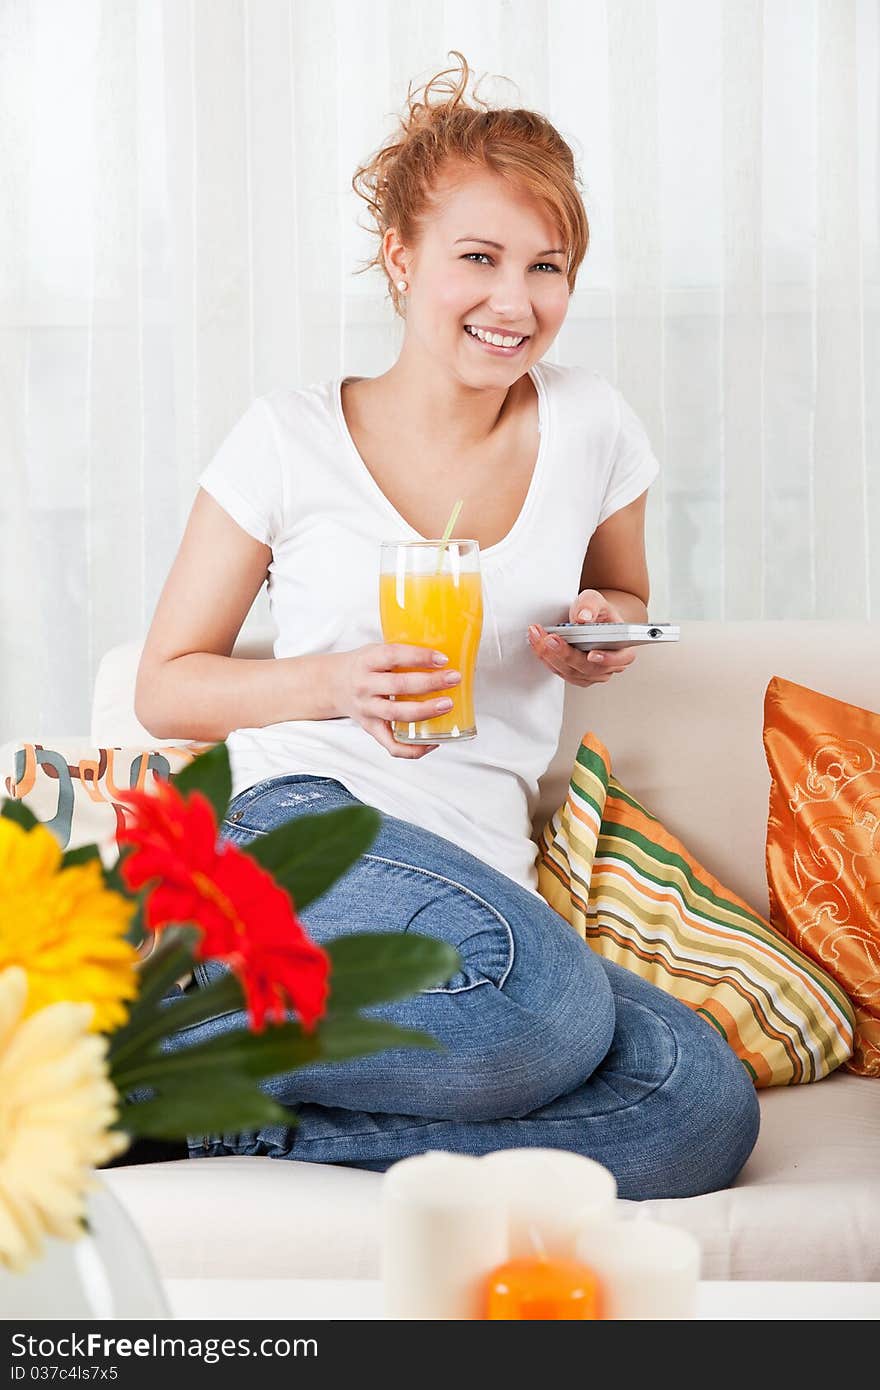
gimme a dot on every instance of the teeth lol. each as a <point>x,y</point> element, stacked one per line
<point>496,339</point>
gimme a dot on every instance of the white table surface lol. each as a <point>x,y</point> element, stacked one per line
<point>361,1299</point>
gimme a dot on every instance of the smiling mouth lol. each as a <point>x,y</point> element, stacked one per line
<point>504,343</point>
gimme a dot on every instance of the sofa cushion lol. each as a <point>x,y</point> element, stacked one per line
<point>823,843</point>
<point>800,1209</point>
<point>639,898</point>
<point>807,1203</point>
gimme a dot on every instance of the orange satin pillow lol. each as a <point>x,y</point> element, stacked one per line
<point>823,844</point>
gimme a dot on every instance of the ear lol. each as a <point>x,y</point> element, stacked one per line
<point>395,255</point>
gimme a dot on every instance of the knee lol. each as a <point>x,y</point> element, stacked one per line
<point>521,1078</point>
<point>535,1040</point>
<point>730,1119</point>
<point>695,1130</point>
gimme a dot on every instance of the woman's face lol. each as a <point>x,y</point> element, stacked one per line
<point>490,261</point>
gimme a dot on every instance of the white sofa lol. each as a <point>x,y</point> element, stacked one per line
<point>683,727</point>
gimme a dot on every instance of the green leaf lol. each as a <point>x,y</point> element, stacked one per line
<point>237,1052</point>
<point>367,968</point>
<point>217,1000</point>
<point>136,931</point>
<point>310,853</point>
<point>280,1048</point>
<point>209,773</point>
<point>173,957</point>
<point>177,1113</point>
<point>171,960</point>
<point>15,810</point>
<point>83,855</point>
<point>375,967</point>
<point>113,877</point>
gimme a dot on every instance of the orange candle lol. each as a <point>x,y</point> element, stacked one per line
<point>542,1289</point>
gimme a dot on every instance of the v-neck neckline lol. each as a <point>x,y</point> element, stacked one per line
<point>534,483</point>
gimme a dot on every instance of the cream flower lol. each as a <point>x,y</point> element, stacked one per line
<point>57,1105</point>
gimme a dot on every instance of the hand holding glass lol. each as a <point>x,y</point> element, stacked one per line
<point>430,595</point>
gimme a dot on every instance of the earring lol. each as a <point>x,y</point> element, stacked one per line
<point>402,286</point>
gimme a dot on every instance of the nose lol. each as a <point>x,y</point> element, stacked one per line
<point>509,298</point>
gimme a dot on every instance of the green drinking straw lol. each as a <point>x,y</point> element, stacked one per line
<point>453,518</point>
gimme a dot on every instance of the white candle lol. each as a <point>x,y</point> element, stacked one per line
<point>647,1270</point>
<point>551,1194</point>
<point>445,1229</point>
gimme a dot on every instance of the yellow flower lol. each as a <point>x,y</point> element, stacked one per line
<point>57,1104</point>
<point>64,927</point>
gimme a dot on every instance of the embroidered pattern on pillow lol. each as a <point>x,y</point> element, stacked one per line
<point>823,844</point>
<point>633,892</point>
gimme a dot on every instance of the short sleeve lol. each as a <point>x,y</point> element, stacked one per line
<point>634,465</point>
<point>244,475</point>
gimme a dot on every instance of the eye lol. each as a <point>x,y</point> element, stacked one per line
<point>481,258</point>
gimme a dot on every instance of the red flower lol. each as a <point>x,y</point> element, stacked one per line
<point>246,918</point>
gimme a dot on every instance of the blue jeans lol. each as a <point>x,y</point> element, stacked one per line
<point>546,1043</point>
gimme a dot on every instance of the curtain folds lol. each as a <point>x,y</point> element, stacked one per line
<point>178,234</point>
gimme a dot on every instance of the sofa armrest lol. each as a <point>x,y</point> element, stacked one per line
<point>114,721</point>
<point>113,718</point>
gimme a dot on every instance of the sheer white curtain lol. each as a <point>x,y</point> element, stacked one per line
<point>178,234</point>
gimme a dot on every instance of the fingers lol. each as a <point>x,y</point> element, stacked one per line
<point>381,732</point>
<point>556,654</point>
<point>385,683</point>
<point>384,656</point>
<point>409,711</point>
<point>577,667</point>
<point>610,661</point>
<point>591,606</point>
<point>588,607</point>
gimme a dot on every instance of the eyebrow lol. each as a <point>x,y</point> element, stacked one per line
<point>498,247</point>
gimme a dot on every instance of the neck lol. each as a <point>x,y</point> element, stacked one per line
<point>421,398</point>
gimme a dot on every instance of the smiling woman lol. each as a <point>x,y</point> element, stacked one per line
<point>481,231</point>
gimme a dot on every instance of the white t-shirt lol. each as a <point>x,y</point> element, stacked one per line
<point>289,474</point>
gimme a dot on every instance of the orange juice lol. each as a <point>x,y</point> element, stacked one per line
<point>444,612</point>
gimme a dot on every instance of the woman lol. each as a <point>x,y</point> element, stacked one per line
<point>482,231</point>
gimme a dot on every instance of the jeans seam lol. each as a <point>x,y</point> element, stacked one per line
<point>660,1084</point>
<point>441,878</point>
<point>545,1119</point>
<point>416,868</point>
<point>452,883</point>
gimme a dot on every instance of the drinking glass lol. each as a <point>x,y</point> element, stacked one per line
<point>430,595</point>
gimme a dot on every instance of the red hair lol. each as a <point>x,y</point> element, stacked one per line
<point>522,146</point>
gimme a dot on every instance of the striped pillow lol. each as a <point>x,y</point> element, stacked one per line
<point>635,894</point>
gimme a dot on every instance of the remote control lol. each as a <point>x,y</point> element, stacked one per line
<point>588,636</point>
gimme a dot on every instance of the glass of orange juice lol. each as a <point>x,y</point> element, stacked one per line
<point>430,596</point>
